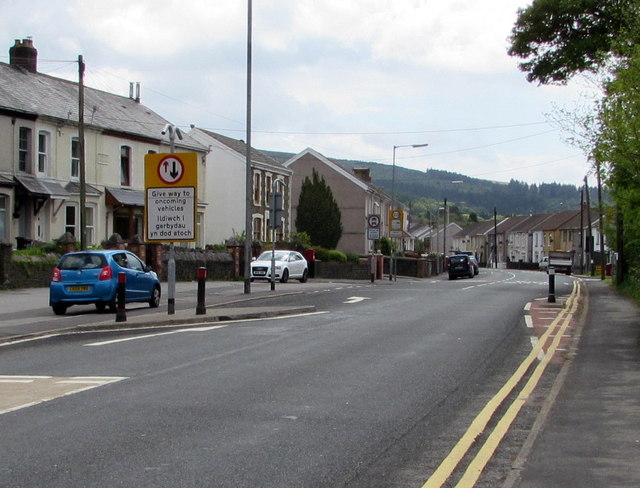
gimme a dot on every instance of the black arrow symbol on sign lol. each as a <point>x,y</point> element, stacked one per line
<point>174,171</point>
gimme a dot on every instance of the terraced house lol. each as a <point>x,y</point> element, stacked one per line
<point>40,159</point>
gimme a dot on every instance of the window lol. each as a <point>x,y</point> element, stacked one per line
<point>89,225</point>
<point>256,188</point>
<point>43,151</point>
<point>125,166</point>
<point>71,219</point>
<point>75,157</point>
<point>24,149</point>
<point>257,229</point>
<point>3,218</point>
<point>267,191</point>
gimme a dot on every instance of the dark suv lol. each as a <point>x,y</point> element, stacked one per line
<point>460,265</point>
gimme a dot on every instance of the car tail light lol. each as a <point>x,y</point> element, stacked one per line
<point>105,273</point>
<point>56,276</point>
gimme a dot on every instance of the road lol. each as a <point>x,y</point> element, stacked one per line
<point>373,390</point>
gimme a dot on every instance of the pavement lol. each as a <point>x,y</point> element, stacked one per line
<point>224,301</point>
<point>588,430</point>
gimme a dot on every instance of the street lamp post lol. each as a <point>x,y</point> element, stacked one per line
<point>392,263</point>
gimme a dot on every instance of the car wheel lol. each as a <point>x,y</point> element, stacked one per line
<point>112,307</point>
<point>451,277</point>
<point>101,306</point>
<point>59,308</point>
<point>154,302</point>
<point>285,276</point>
<point>305,275</point>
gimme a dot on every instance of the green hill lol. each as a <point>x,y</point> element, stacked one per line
<point>424,192</point>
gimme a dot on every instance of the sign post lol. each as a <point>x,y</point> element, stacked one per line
<point>396,226</point>
<point>171,191</point>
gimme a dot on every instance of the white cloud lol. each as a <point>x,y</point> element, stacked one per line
<point>349,78</point>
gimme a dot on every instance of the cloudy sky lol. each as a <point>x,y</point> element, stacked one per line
<point>351,79</point>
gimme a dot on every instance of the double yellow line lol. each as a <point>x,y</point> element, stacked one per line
<point>479,424</point>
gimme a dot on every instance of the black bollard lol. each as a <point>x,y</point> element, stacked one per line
<point>552,286</point>
<point>202,277</point>
<point>121,312</point>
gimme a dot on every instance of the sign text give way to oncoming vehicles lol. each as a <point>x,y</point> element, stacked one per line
<point>171,189</point>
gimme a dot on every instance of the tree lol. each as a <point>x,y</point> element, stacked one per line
<point>618,154</point>
<point>560,38</point>
<point>318,213</point>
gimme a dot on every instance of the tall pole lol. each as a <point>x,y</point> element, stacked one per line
<point>83,177</point>
<point>249,176</point>
<point>495,236</point>
<point>444,229</point>
<point>392,263</point>
<point>393,207</point>
<point>589,230</point>
<point>600,220</point>
<point>582,230</point>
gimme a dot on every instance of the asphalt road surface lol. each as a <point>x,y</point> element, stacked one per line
<point>372,390</point>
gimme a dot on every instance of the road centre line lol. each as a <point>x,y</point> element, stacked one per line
<point>207,328</point>
<point>478,425</point>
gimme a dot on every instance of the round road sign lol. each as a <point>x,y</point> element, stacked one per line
<point>170,170</point>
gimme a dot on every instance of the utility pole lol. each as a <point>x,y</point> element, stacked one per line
<point>582,230</point>
<point>249,176</point>
<point>444,230</point>
<point>600,220</point>
<point>589,234</point>
<point>83,177</point>
<point>495,235</point>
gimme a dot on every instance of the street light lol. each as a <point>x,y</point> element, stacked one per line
<point>393,201</point>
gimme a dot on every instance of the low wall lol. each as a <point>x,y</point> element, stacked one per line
<point>334,270</point>
<point>220,265</point>
<point>35,271</point>
<point>411,267</point>
<point>30,271</point>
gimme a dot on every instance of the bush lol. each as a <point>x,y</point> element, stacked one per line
<point>323,254</point>
<point>335,255</point>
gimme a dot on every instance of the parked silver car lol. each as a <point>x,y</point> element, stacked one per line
<point>288,264</point>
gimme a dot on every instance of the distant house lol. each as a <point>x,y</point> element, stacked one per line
<point>355,195</point>
<point>434,237</point>
<point>226,189</point>
<point>40,156</point>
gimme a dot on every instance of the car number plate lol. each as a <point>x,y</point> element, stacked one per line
<point>259,273</point>
<point>78,288</point>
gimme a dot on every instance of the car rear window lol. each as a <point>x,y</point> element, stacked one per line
<point>458,259</point>
<point>82,261</point>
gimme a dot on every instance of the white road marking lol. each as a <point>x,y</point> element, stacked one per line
<point>351,300</point>
<point>198,329</point>
<point>17,392</point>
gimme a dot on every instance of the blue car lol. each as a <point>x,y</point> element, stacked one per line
<point>92,277</point>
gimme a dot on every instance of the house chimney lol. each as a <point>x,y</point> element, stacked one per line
<point>363,174</point>
<point>24,55</point>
